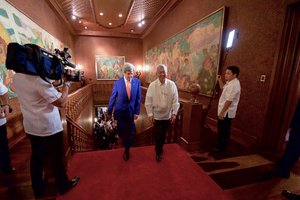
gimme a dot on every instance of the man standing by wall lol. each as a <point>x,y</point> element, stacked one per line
<point>227,106</point>
<point>39,102</point>
<point>162,106</point>
<point>125,102</point>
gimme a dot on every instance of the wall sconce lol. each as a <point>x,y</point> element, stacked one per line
<point>79,66</point>
<point>138,71</point>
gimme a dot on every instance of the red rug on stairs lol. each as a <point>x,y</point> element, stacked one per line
<point>105,175</point>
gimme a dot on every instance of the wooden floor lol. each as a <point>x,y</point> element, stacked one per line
<point>245,175</point>
<point>240,172</point>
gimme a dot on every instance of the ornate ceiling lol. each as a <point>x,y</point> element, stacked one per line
<point>112,18</point>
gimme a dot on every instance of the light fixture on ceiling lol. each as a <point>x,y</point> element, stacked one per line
<point>131,30</point>
<point>74,17</point>
<point>110,23</point>
<point>80,21</point>
<point>101,13</point>
<point>141,23</point>
<point>85,27</point>
<point>120,15</point>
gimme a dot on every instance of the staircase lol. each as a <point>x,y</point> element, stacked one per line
<point>17,186</point>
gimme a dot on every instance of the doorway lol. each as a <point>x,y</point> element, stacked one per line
<point>286,84</point>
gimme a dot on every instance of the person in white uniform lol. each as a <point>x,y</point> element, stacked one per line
<point>39,101</point>
<point>227,106</point>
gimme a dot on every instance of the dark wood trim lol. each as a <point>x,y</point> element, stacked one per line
<point>284,83</point>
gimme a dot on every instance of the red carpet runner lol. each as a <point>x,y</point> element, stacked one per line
<point>104,175</point>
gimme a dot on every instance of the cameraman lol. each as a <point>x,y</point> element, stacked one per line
<point>39,102</point>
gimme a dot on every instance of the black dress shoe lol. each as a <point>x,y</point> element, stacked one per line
<point>72,183</point>
<point>289,195</point>
<point>126,155</point>
<point>158,157</point>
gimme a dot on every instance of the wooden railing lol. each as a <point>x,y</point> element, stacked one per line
<point>77,101</point>
<point>147,136</point>
<point>175,131</point>
<point>78,138</point>
<point>81,140</point>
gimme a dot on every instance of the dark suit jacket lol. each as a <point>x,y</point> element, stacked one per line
<point>119,102</point>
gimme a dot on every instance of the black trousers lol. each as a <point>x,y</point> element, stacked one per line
<point>224,127</point>
<point>49,148</point>
<point>5,164</point>
<point>291,154</point>
<point>161,128</point>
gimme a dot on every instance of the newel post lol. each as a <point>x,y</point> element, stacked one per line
<point>192,137</point>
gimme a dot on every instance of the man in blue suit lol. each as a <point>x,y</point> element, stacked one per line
<point>125,102</point>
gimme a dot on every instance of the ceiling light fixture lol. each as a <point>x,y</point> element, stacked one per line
<point>131,30</point>
<point>110,23</point>
<point>73,17</point>
<point>143,22</point>
<point>120,15</point>
<point>101,13</point>
<point>79,21</point>
<point>85,27</point>
<point>140,24</point>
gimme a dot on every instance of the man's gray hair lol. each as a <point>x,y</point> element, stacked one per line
<point>162,66</point>
<point>128,67</point>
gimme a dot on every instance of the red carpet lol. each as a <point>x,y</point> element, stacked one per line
<point>105,175</point>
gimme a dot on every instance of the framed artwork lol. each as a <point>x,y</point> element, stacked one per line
<point>109,67</point>
<point>192,56</point>
<point>17,27</point>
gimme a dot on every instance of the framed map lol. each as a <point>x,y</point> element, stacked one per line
<point>192,56</point>
<point>109,67</point>
<point>16,27</point>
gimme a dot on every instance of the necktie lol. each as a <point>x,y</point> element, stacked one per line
<point>128,89</point>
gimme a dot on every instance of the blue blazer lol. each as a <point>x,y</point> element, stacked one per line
<point>119,102</point>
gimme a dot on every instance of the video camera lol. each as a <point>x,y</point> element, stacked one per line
<point>34,60</point>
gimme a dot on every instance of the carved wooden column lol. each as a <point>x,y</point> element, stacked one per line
<point>192,128</point>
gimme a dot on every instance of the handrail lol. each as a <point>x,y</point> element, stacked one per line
<point>147,136</point>
<point>79,139</point>
<point>144,138</point>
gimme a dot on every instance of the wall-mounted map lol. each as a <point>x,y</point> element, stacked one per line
<point>16,27</point>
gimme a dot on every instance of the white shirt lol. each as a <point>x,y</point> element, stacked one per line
<point>3,90</point>
<point>231,92</point>
<point>162,100</point>
<point>126,82</point>
<point>40,117</point>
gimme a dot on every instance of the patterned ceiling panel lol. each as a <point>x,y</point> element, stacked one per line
<point>110,11</point>
<point>89,21</point>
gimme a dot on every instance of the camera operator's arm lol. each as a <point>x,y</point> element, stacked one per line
<point>61,102</point>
